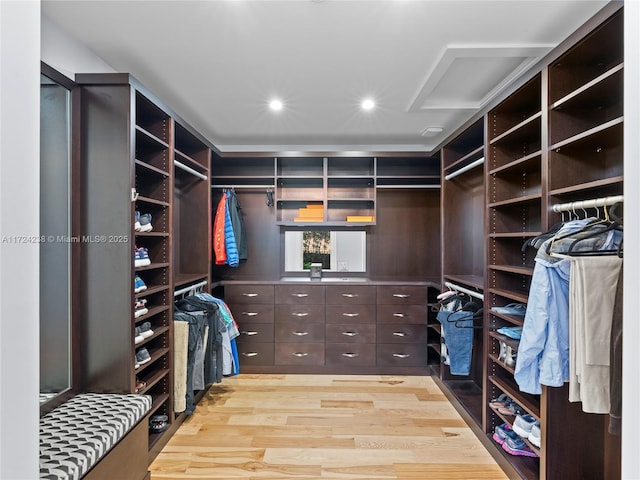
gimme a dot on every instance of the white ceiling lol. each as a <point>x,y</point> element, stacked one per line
<point>218,63</point>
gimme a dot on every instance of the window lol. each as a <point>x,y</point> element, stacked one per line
<point>338,251</point>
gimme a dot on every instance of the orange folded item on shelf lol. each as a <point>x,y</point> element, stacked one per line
<point>360,218</point>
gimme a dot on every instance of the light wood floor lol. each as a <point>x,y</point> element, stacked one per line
<point>298,427</point>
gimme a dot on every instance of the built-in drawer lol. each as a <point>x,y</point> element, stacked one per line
<point>402,314</point>
<point>350,313</point>
<point>249,293</point>
<point>255,353</point>
<point>401,355</point>
<point>300,313</point>
<point>350,294</point>
<point>252,312</point>
<point>256,332</point>
<point>390,333</point>
<point>299,294</point>
<point>402,294</point>
<point>350,333</point>
<point>345,354</point>
<point>300,354</point>
<point>294,331</point>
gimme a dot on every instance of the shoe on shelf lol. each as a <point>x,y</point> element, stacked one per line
<point>136,363</point>
<point>141,257</point>
<point>140,384</point>
<point>139,285</point>
<point>158,423</point>
<point>145,222</point>
<point>510,408</point>
<point>142,356</point>
<point>136,223</point>
<point>138,338</point>
<point>500,433</point>
<point>514,445</point>
<point>503,352</point>
<point>534,435</point>
<point>500,401</point>
<point>140,308</point>
<point>516,309</point>
<point>510,357</point>
<point>145,330</point>
<point>511,332</point>
<point>523,424</point>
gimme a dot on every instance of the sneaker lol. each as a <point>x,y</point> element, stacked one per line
<point>142,356</point>
<point>158,423</point>
<point>138,338</point>
<point>141,257</point>
<point>522,425</point>
<point>136,364</point>
<point>514,445</point>
<point>145,222</point>
<point>145,330</point>
<point>534,435</point>
<point>140,308</point>
<point>139,285</point>
<point>136,223</point>
<point>500,433</point>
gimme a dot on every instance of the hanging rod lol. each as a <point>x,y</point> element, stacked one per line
<point>190,170</point>
<point>596,202</point>
<point>268,187</point>
<point>471,293</point>
<point>474,164</point>
<point>177,293</point>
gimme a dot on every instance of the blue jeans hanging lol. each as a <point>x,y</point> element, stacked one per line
<point>458,336</point>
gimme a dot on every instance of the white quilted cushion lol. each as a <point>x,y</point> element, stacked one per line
<point>75,435</point>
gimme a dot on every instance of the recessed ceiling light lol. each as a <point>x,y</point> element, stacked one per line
<point>368,104</point>
<point>275,105</point>
<point>431,131</point>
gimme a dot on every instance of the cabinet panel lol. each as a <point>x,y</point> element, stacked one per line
<point>300,313</point>
<point>249,294</point>
<point>350,333</point>
<point>256,332</point>
<point>299,354</point>
<point>299,294</point>
<point>252,312</point>
<point>401,355</point>
<point>350,295</point>
<point>346,354</point>
<point>255,353</point>
<point>401,294</point>
<point>350,314</point>
<point>399,314</point>
<point>299,332</point>
<point>389,333</point>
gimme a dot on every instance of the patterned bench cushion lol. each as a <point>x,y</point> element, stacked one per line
<point>78,433</point>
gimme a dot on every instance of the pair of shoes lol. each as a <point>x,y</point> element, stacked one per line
<point>140,384</point>
<point>140,308</point>
<point>511,332</point>
<point>141,257</point>
<point>505,405</point>
<point>500,433</point>
<point>514,445</point>
<point>142,332</point>
<point>142,222</point>
<point>158,423</point>
<point>507,355</point>
<point>524,426</point>
<point>142,357</point>
<point>500,401</point>
<point>139,285</point>
<point>516,309</point>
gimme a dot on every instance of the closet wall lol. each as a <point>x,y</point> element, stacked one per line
<point>138,156</point>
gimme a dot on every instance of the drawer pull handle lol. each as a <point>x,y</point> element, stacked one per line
<point>250,314</point>
<point>401,295</point>
<point>300,354</point>
<point>250,294</point>
<point>400,334</point>
<point>350,295</point>
<point>401,315</point>
<point>300,314</point>
<point>250,354</point>
<point>350,334</point>
<point>351,314</point>
<point>300,295</point>
<point>300,334</point>
<point>350,355</point>
<point>250,332</point>
<point>401,355</point>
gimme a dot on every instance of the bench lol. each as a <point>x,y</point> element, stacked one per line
<point>96,436</point>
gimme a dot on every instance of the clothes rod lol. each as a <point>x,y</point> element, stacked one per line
<point>190,170</point>
<point>268,187</point>
<point>594,203</point>
<point>474,164</point>
<point>177,293</point>
<point>471,293</point>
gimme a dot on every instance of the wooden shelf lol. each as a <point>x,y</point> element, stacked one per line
<point>520,297</point>
<point>596,91</point>
<point>586,136</point>
<point>151,201</point>
<point>524,128</point>
<point>512,269</point>
<point>524,400</point>
<point>146,166</point>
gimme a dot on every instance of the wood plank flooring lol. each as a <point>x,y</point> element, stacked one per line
<point>298,427</point>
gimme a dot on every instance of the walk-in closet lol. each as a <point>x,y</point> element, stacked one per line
<point>406,266</point>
